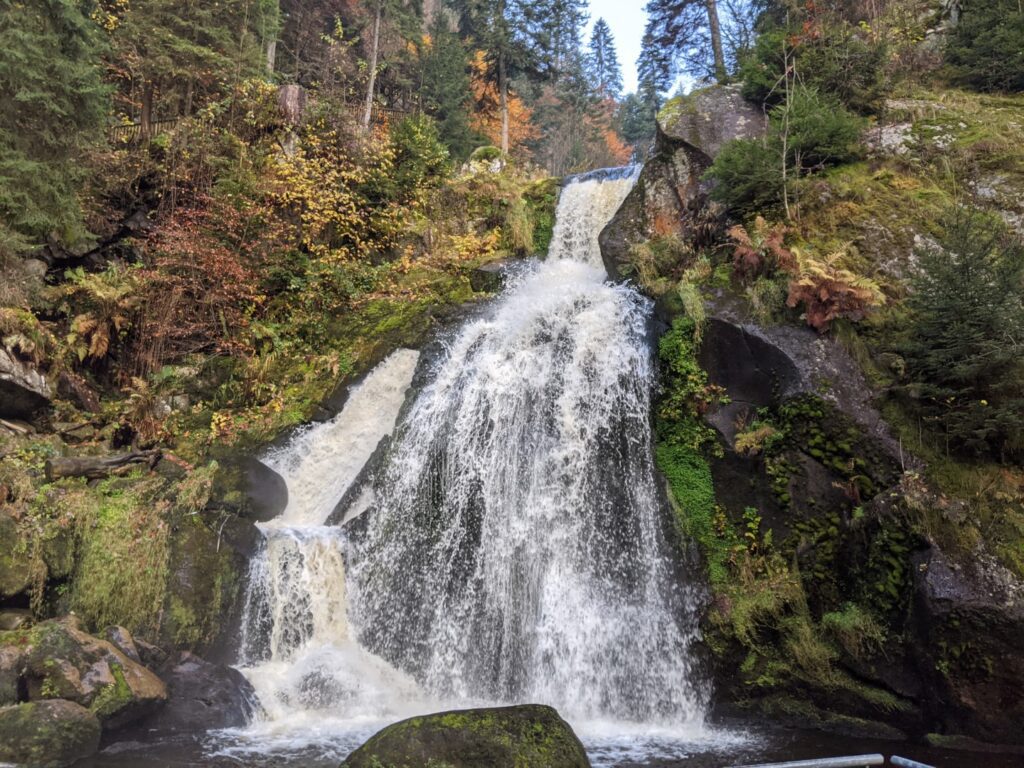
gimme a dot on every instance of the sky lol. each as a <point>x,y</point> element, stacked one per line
<point>627,19</point>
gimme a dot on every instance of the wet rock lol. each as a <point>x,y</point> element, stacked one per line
<point>56,659</point>
<point>490,278</point>
<point>47,734</point>
<point>503,737</point>
<point>201,696</point>
<point>122,639</point>
<point>969,621</point>
<point>23,389</point>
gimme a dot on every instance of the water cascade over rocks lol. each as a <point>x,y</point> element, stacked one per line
<point>514,548</point>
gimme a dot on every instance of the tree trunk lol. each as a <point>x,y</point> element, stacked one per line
<point>716,41</point>
<point>189,96</point>
<point>98,467</point>
<point>146,118</point>
<point>503,98</point>
<point>271,55</point>
<point>368,111</point>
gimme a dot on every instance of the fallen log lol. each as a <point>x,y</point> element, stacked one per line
<point>98,467</point>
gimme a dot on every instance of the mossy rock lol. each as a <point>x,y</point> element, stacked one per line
<point>15,562</point>
<point>485,154</point>
<point>48,734</point>
<point>526,736</point>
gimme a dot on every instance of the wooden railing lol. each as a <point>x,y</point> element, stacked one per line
<point>131,133</point>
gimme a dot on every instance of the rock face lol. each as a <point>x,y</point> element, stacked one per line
<point>23,389</point>
<point>201,696</point>
<point>707,119</point>
<point>57,660</point>
<point>505,737</point>
<point>670,198</point>
<point>969,621</point>
<point>47,734</point>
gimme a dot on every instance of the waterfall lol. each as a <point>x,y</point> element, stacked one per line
<point>513,547</point>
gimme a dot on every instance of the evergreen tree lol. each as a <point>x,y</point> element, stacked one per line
<point>965,354</point>
<point>446,88</point>
<point>637,118</point>
<point>685,34</point>
<point>499,29</point>
<point>55,105</point>
<point>178,53</point>
<point>603,63</point>
<point>554,31</point>
<point>406,17</point>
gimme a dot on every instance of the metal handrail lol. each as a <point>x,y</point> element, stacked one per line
<point>853,761</point>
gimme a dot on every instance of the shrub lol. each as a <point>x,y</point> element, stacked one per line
<point>421,160</point>
<point>833,58</point>
<point>986,49</point>
<point>812,132</point>
<point>965,354</point>
<point>485,154</point>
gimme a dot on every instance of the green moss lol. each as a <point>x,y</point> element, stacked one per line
<point>114,697</point>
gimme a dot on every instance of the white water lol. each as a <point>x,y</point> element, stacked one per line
<point>513,546</point>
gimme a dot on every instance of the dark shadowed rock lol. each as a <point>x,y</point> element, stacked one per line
<point>23,389</point>
<point>969,621</point>
<point>490,278</point>
<point>201,696</point>
<point>503,737</point>
<point>266,490</point>
<point>47,734</point>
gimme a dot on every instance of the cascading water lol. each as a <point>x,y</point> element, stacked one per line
<point>513,548</point>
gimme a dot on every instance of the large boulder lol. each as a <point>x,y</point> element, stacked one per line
<point>670,196</point>
<point>47,734</point>
<point>711,117</point>
<point>503,737</point>
<point>968,615</point>
<point>58,660</point>
<point>23,389</point>
<point>201,697</point>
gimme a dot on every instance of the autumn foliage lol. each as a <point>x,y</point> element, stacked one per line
<point>486,117</point>
<point>829,292</point>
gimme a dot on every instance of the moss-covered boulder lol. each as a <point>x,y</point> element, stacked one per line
<point>57,660</point>
<point>47,734</point>
<point>506,737</point>
<point>15,562</point>
<point>670,200</point>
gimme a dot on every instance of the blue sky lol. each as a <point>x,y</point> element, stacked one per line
<point>627,20</point>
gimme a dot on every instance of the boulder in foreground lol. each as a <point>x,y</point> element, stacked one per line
<point>47,733</point>
<point>502,737</point>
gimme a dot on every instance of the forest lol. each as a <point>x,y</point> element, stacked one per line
<point>723,346</point>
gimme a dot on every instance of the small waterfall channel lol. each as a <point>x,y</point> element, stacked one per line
<point>511,546</point>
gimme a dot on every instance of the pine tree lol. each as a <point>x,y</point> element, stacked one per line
<point>554,31</point>
<point>446,88</point>
<point>55,105</point>
<point>965,354</point>
<point>685,35</point>
<point>177,54</point>
<point>498,28</point>
<point>603,63</point>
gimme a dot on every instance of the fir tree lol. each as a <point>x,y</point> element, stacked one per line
<point>174,54</point>
<point>55,105</point>
<point>498,28</point>
<point>603,63</point>
<point>406,17</point>
<point>965,354</point>
<point>446,88</point>
<point>686,35</point>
